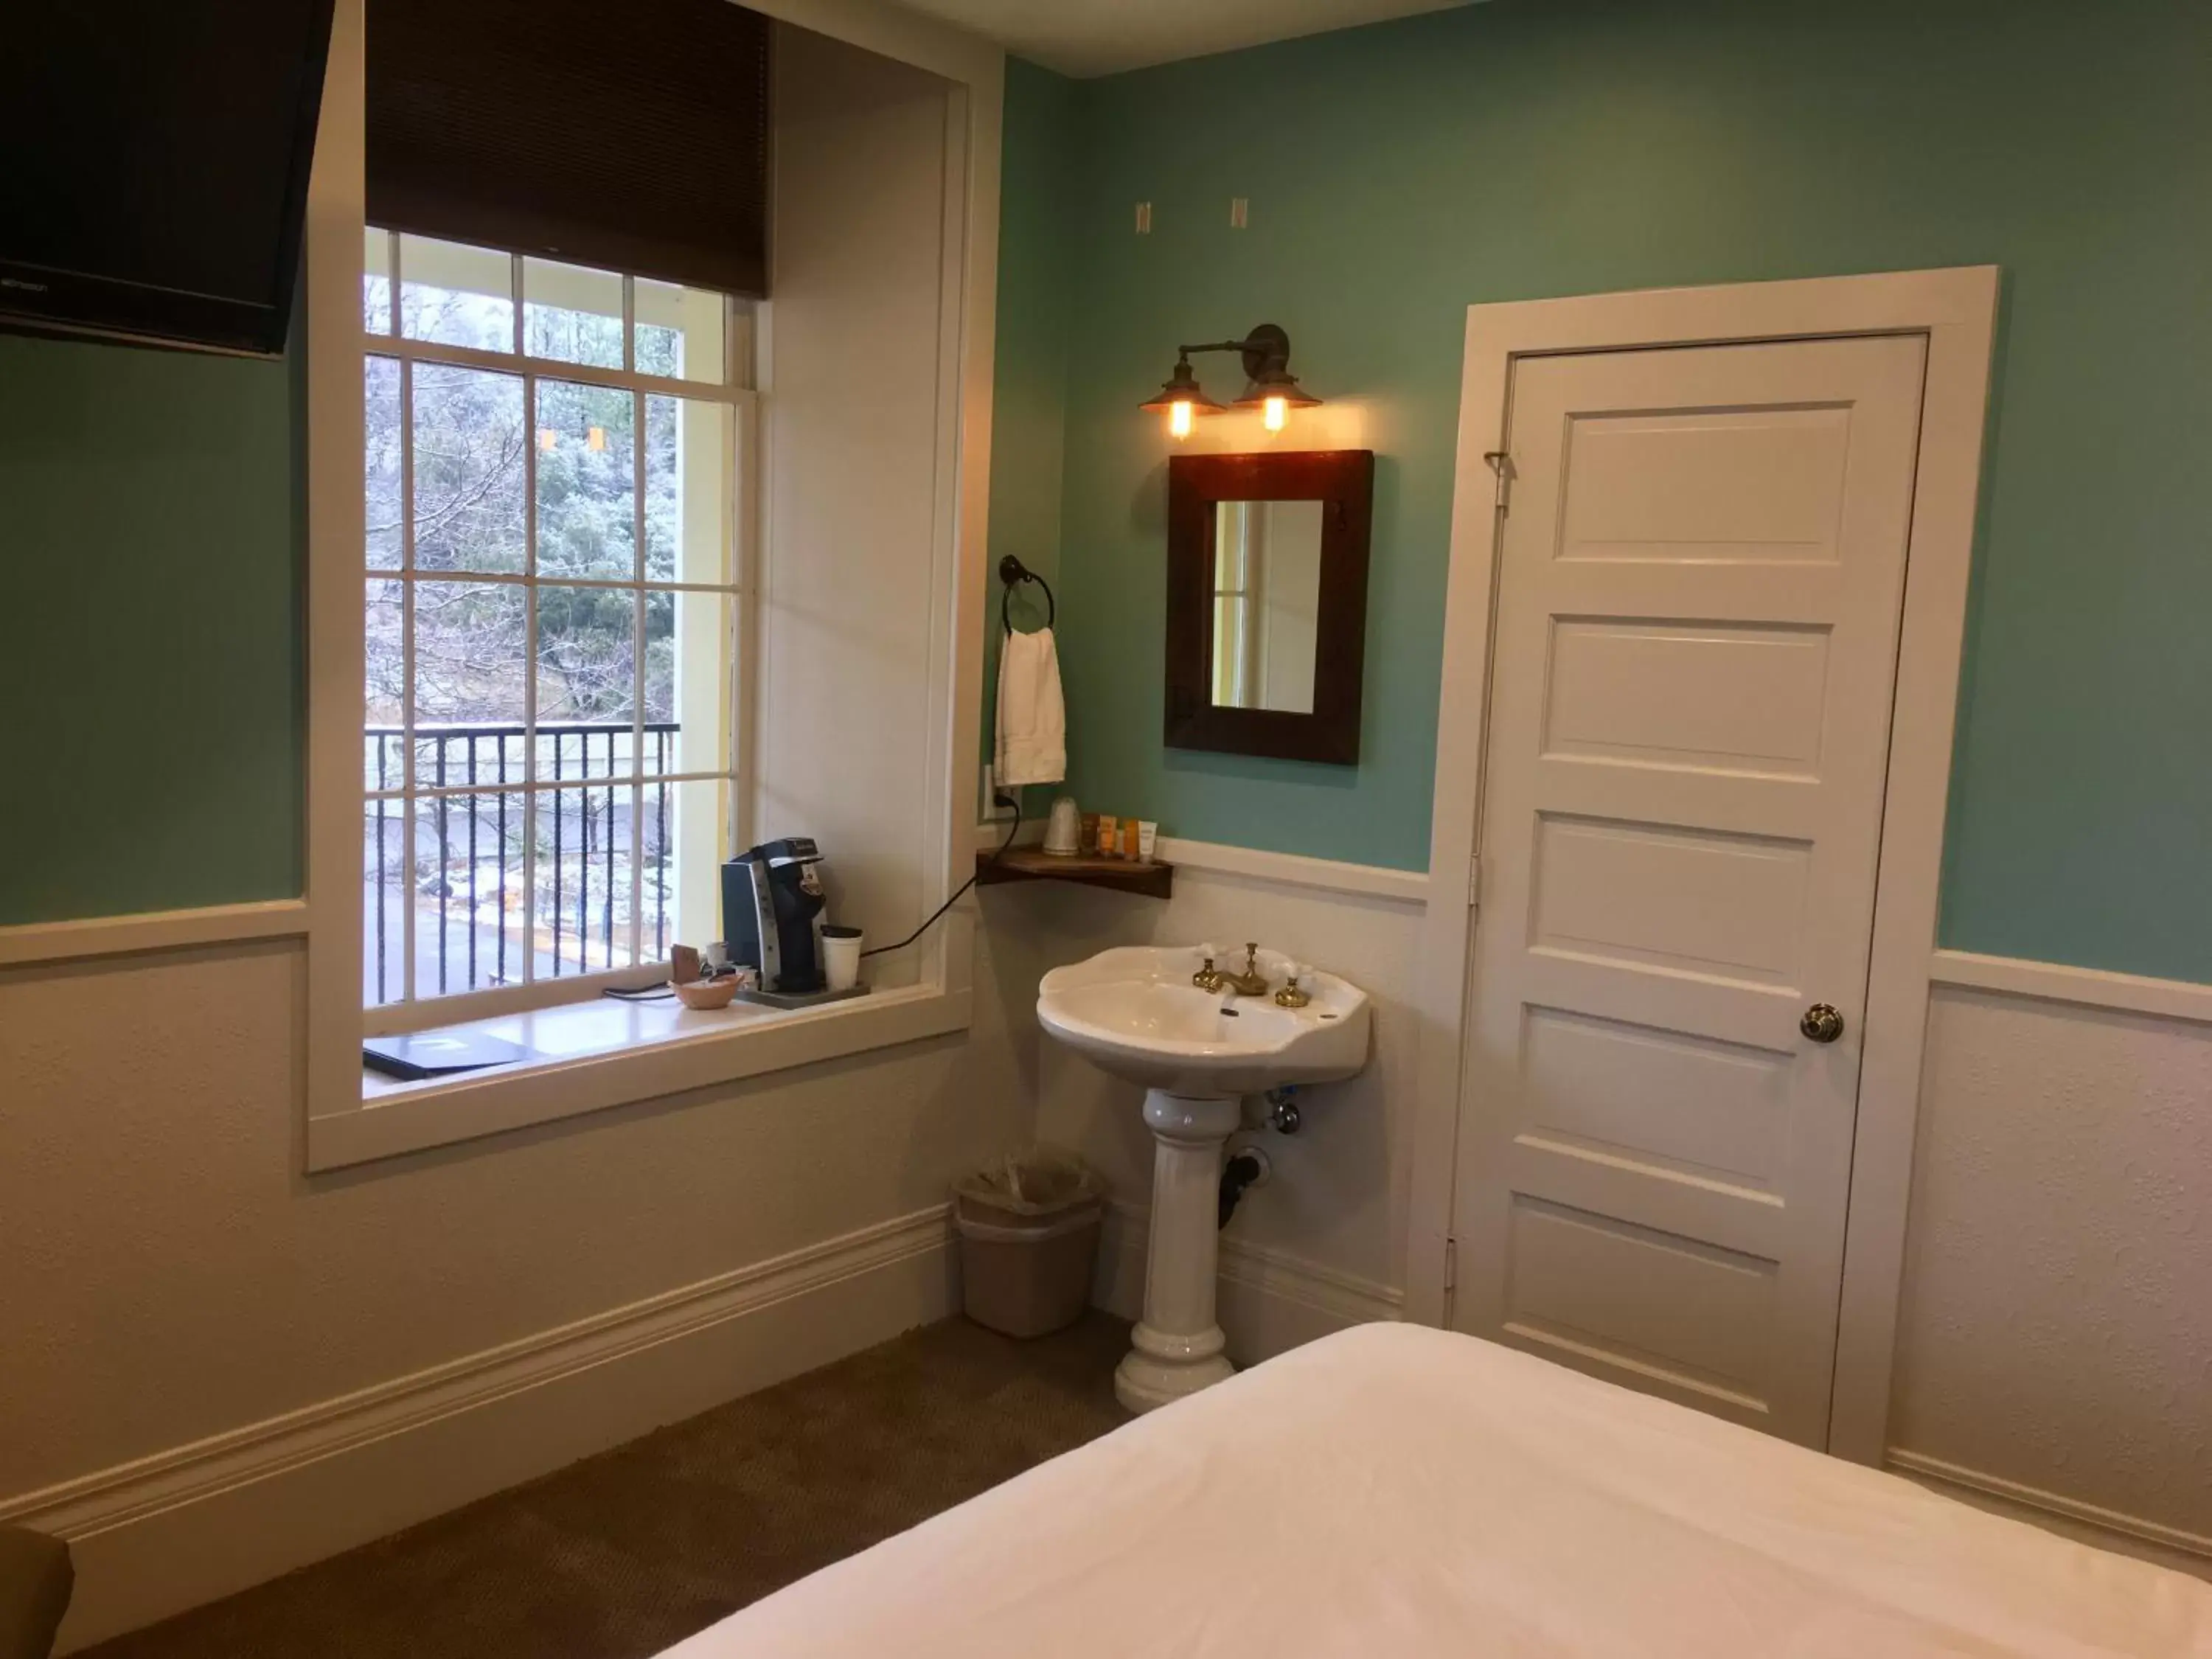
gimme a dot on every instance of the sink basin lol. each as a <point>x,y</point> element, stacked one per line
<point>1134,1012</point>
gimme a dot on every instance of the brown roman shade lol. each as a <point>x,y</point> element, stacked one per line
<point>627,134</point>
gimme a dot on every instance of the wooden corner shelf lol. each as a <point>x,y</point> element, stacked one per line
<point>1154,881</point>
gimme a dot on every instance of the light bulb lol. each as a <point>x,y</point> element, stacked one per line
<point>596,438</point>
<point>1179,418</point>
<point>1274,414</point>
<point>547,438</point>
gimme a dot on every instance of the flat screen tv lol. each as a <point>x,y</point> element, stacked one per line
<point>156,170</point>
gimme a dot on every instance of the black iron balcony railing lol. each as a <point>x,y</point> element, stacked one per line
<point>467,866</point>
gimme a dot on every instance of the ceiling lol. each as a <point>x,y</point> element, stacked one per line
<point>1102,37</point>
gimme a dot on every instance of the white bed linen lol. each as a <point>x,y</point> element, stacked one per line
<point>1397,1492</point>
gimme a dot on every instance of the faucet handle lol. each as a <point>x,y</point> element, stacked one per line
<point>1251,958</point>
<point>1291,996</point>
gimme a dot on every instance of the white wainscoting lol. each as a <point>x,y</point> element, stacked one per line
<point>1337,1200</point>
<point>2129,1535</point>
<point>24,943</point>
<point>1271,1300</point>
<point>152,1537</point>
<point>2055,1327</point>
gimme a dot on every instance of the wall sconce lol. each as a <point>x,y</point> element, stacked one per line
<point>1270,387</point>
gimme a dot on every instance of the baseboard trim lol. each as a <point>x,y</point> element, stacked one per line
<point>2090,987</point>
<point>2110,1527</point>
<point>1270,1300</point>
<point>25,943</point>
<point>169,1531</point>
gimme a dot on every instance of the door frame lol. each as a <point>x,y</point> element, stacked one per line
<point>1955,310</point>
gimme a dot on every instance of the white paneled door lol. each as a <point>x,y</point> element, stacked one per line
<point>1701,575</point>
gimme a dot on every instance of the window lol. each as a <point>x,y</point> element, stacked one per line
<point>552,463</point>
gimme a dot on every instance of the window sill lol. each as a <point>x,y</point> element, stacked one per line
<point>607,1053</point>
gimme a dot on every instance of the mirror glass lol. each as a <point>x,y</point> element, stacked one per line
<point>1266,604</point>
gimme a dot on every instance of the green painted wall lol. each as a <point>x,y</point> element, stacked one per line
<point>1036,285</point>
<point>151,671</point>
<point>1395,174</point>
<point>1527,148</point>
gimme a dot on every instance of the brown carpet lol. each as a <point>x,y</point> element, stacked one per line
<point>627,1553</point>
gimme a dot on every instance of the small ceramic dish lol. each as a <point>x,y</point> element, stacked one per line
<point>705,993</point>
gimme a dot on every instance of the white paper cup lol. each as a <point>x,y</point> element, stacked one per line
<point>1062,831</point>
<point>840,957</point>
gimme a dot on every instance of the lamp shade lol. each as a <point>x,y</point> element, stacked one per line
<point>1276,382</point>
<point>1181,387</point>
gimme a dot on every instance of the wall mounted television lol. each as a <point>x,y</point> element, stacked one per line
<point>156,172</point>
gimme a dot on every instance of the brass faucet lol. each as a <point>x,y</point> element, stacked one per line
<point>1250,983</point>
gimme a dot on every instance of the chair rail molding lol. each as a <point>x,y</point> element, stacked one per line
<point>25,943</point>
<point>2088,987</point>
<point>1296,870</point>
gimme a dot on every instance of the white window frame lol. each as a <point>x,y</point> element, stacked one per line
<point>343,1126</point>
<point>414,1009</point>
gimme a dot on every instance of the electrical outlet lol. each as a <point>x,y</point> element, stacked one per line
<point>992,811</point>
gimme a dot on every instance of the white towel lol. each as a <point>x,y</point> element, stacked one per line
<point>1032,718</point>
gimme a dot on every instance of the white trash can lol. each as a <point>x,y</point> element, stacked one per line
<point>1028,1241</point>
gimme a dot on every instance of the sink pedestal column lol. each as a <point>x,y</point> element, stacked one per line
<point>1176,1347</point>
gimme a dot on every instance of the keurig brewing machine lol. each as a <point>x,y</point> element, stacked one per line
<point>770,898</point>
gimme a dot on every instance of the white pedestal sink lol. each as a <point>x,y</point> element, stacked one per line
<point>1134,1012</point>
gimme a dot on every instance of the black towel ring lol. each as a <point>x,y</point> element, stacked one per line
<point>1013,572</point>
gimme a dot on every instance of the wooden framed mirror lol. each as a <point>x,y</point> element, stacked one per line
<point>1268,602</point>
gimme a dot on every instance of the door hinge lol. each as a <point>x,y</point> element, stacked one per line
<point>1451,1264</point>
<point>1501,463</point>
<point>1474,883</point>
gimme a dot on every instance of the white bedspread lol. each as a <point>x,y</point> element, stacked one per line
<point>1395,1493</point>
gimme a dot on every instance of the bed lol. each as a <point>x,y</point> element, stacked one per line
<point>1397,1492</point>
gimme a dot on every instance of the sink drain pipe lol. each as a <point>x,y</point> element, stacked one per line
<point>1246,1168</point>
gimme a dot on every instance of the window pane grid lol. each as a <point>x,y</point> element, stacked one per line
<point>481,803</point>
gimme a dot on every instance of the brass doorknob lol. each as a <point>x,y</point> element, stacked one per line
<point>1821,1023</point>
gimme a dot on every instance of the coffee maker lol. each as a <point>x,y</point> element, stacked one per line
<point>771,897</point>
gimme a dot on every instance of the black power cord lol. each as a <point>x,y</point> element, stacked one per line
<point>662,993</point>
<point>1001,797</point>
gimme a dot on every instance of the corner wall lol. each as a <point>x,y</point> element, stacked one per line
<point>219,1368</point>
<point>848,600</point>
<point>173,1277</point>
<point>2055,1344</point>
<point>1521,149</point>
<point>1037,315</point>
